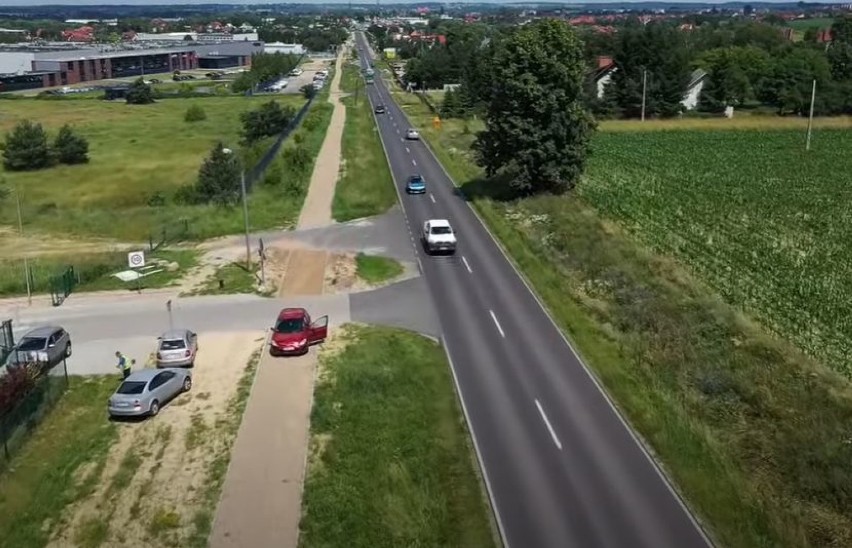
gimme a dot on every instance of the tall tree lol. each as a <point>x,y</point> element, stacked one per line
<point>219,177</point>
<point>537,129</point>
<point>71,148</point>
<point>658,51</point>
<point>26,148</point>
<point>267,120</point>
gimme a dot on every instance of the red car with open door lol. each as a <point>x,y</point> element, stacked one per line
<point>294,332</point>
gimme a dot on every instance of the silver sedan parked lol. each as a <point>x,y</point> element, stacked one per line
<point>177,348</point>
<point>145,391</point>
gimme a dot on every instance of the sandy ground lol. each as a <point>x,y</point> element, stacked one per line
<point>164,461</point>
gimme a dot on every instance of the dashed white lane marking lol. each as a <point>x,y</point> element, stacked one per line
<point>408,150</point>
<point>413,162</point>
<point>549,427</point>
<point>497,323</point>
<point>467,266</point>
<point>432,198</point>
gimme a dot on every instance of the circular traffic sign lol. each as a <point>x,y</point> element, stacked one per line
<point>136,259</point>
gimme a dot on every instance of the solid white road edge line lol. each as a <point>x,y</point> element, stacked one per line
<point>549,427</point>
<point>467,266</point>
<point>500,329</point>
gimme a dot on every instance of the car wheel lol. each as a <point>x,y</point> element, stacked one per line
<point>187,384</point>
<point>68,350</point>
<point>155,408</point>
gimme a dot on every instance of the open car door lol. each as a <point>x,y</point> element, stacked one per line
<point>318,331</point>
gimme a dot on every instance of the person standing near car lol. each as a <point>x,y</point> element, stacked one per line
<point>123,364</point>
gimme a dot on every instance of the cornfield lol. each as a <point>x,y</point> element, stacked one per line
<point>767,224</point>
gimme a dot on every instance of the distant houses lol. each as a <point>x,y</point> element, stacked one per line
<point>605,68</point>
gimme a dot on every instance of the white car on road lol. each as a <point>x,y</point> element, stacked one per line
<point>438,236</point>
<point>412,134</point>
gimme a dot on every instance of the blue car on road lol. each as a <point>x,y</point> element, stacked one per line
<point>416,184</point>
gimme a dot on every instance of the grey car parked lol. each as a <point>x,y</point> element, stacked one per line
<point>147,390</point>
<point>177,348</point>
<point>47,345</point>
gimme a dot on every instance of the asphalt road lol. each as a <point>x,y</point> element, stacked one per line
<point>562,468</point>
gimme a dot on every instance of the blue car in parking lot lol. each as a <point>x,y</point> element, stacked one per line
<point>416,184</point>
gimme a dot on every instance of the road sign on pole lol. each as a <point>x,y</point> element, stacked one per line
<point>136,259</point>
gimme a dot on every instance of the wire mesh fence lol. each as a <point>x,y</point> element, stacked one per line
<point>26,397</point>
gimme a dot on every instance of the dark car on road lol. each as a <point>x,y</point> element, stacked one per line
<point>47,346</point>
<point>380,109</point>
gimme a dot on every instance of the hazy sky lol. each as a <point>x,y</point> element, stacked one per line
<point>4,3</point>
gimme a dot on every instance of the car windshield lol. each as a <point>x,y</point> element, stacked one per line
<point>441,230</point>
<point>32,343</point>
<point>415,181</point>
<point>291,325</point>
<point>131,387</point>
<point>172,345</point>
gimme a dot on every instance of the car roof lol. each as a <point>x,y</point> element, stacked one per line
<point>143,375</point>
<point>177,333</point>
<point>43,331</point>
<point>439,222</point>
<point>290,313</point>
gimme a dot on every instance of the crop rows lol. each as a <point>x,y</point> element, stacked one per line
<point>767,224</point>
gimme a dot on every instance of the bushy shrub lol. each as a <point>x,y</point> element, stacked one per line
<point>70,148</point>
<point>15,385</point>
<point>194,114</point>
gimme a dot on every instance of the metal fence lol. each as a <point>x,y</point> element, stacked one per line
<point>7,340</point>
<point>19,421</point>
<point>173,232</point>
<point>256,172</point>
<point>62,285</point>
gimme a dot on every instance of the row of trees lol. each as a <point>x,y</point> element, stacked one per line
<point>27,148</point>
<point>314,39</point>
<point>748,64</point>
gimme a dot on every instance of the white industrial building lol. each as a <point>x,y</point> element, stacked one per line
<point>281,47</point>
<point>195,36</point>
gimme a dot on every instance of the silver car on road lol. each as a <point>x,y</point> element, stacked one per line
<point>177,348</point>
<point>146,391</point>
<point>47,346</point>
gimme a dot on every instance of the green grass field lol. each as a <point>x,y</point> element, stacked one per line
<point>365,186</point>
<point>137,155</point>
<point>761,220</point>
<point>390,462</point>
<point>816,22</point>
<point>375,270</point>
<point>748,426</point>
<point>43,478</point>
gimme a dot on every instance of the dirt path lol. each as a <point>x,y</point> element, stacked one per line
<point>316,211</point>
<point>261,502</point>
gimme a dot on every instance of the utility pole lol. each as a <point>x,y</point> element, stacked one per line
<point>644,87</point>
<point>26,260</point>
<point>245,209</point>
<point>811,117</point>
<point>245,216</point>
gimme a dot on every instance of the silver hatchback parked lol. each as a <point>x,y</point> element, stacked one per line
<point>177,348</point>
<point>146,391</point>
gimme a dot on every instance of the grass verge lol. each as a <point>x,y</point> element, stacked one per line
<point>375,270</point>
<point>749,428</point>
<point>365,186</point>
<point>94,271</point>
<point>390,461</point>
<point>232,278</point>
<point>44,476</point>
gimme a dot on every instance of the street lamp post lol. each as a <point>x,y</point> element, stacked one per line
<point>26,260</point>
<point>245,209</point>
